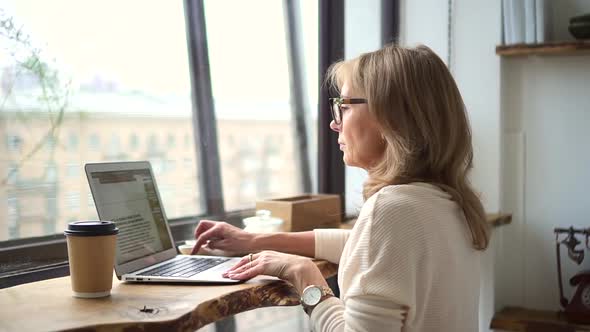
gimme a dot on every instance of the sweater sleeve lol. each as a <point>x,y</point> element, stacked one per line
<point>362,313</point>
<point>329,243</point>
<point>378,276</point>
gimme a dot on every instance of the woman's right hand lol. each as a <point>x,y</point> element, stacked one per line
<point>222,236</point>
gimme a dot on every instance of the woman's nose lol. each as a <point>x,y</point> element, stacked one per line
<point>335,127</point>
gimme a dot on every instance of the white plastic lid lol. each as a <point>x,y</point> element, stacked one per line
<point>262,217</point>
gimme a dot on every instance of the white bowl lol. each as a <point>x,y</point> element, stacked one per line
<point>186,249</point>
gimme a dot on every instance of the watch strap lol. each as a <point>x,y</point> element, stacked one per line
<point>326,293</point>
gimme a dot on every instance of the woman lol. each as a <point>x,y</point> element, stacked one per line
<point>412,260</point>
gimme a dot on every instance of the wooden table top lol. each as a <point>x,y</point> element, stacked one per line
<point>49,304</point>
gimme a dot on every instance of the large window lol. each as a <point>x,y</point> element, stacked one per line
<point>88,81</point>
<point>250,74</point>
<point>220,96</point>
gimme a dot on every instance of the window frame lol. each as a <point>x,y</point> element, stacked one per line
<point>204,119</point>
<point>293,23</point>
<point>47,255</point>
<point>390,21</point>
<point>331,174</point>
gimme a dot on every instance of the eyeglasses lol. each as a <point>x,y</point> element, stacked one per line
<point>336,106</point>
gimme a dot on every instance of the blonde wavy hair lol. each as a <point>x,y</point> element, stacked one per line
<point>423,120</point>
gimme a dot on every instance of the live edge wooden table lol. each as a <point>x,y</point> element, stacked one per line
<point>49,305</point>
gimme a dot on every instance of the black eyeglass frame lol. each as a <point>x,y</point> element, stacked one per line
<point>336,106</point>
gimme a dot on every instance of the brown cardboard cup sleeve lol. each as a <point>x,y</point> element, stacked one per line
<point>91,256</point>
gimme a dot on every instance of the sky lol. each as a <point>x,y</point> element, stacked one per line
<point>141,45</point>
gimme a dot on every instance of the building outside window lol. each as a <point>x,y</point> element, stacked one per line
<point>50,143</point>
<point>152,143</point>
<point>253,101</point>
<point>171,141</point>
<point>12,214</point>
<point>50,172</point>
<point>13,143</point>
<point>114,145</point>
<point>170,165</point>
<point>187,162</point>
<point>133,142</point>
<point>115,80</point>
<point>73,170</point>
<point>94,142</point>
<point>12,175</point>
<point>73,201</point>
<point>73,142</point>
<point>187,140</point>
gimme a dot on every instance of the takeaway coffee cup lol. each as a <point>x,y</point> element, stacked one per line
<point>91,253</point>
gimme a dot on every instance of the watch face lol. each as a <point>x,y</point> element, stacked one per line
<point>312,296</point>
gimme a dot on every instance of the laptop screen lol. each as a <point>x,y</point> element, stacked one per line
<point>129,198</point>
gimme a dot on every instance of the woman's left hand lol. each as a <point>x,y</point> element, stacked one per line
<point>298,270</point>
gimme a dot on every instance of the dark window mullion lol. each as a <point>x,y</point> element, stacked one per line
<point>389,21</point>
<point>204,123</point>
<point>331,48</point>
<point>298,104</point>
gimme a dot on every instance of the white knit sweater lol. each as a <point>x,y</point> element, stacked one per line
<point>407,265</point>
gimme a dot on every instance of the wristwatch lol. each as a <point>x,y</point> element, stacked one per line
<point>313,295</point>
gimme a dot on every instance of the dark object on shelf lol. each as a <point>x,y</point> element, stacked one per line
<point>585,18</point>
<point>577,309</point>
<point>580,26</point>
<point>580,30</point>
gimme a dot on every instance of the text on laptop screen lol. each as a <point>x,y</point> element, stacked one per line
<point>129,199</point>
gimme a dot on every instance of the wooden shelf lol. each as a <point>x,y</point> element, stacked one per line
<point>555,48</point>
<point>521,319</point>
<point>499,219</point>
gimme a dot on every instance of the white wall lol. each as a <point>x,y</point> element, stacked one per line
<point>476,68</point>
<point>547,109</point>
<point>546,166</point>
<point>425,22</point>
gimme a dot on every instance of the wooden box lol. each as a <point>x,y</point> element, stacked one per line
<point>305,212</point>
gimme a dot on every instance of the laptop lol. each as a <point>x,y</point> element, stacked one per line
<point>126,193</point>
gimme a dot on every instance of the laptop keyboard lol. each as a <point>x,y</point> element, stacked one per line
<point>184,267</point>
